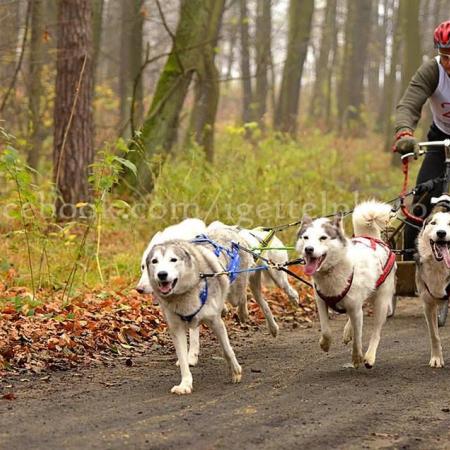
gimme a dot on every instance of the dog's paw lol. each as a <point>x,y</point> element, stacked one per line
<point>357,360</point>
<point>325,342</point>
<point>181,389</point>
<point>437,361</point>
<point>274,329</point>
<point>347,336</point>
<point>369,362</point>
<point>294,300</point>
<point>192,360</point>
<point>236,374</point>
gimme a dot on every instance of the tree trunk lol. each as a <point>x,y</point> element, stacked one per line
<point>300,18</point>
<point>263,44</point>
<point>376,54</point>
<point>247,93</point>
<point>136,51</point>
<point>131,48</point>
<point>207,84</point>
<point>355,51</point>
<point>73,122</point>
<point>97,19</point>
<point>159,130</point>
<point>35,83</point>
<point>322,83</point>
<point>409,26</point>
<point>389,89</point>
<point>124,68</point>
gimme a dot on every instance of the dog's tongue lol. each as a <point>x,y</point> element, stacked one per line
<point>445,254</point>
<point>165,287</point>
<point>311,266</point>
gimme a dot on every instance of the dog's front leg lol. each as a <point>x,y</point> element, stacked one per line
<point>194,345</point>
<point>325,338</point>
<point>178,332</point>
<point>356,318</point>
<point>220,331</point>
<point>430,310</point>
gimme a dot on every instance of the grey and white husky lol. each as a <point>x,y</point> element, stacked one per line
<point>433,274</point>
<point>187,299</point>
<point>347,272</point>
<point>277,255</point>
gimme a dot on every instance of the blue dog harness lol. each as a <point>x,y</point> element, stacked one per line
<point>234,261</point>
<point>203,297</point>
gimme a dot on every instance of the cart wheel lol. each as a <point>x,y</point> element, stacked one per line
<point>391,310</point>
<point>442,313</point>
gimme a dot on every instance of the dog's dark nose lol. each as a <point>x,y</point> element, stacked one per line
<point>140,290</point>
<point>162,276</point>
<point>309,249</point>
<point>441,234</point>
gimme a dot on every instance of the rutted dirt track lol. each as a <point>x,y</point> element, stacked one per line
<point>292,396</point>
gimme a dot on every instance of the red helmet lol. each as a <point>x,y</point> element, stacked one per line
<point>442,35</point>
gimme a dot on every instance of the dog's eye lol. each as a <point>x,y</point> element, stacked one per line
<point>323,238</point>
<point>154,261</point>
<point>142,266</point>
<point>173,259</point>
<point>433,222</point>
<point>305,238</point>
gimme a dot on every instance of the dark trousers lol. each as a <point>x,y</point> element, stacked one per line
<point>432,167</point>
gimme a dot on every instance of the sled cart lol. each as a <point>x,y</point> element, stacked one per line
<point>406,285</point>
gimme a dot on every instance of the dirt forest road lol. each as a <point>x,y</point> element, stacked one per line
<point>292,396</point>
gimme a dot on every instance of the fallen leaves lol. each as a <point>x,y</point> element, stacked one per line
<point>97,326</point>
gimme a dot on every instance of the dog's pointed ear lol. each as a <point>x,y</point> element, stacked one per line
<point>305,223</point>
<point>187,257</point>
<point>338,221</point>
<point>425,223</point>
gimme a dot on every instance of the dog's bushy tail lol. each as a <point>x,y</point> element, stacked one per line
<point>370,218</point>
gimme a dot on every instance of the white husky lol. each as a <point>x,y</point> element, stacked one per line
<point>185,230</point>
<point>277,255</point>
<point>433,275</point>
<point>346,272</point>
<point>188,299</point>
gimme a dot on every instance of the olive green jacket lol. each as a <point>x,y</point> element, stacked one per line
<point>422,85</point>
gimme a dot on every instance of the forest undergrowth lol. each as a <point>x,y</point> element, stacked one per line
<point>67,288</point>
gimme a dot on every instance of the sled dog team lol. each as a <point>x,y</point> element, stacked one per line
<point>179,262</point>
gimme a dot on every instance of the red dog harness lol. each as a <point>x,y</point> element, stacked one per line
<point>372,243</point>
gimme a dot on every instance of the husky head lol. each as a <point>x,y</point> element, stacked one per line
<point>171,269</point>
<point>434,239</point>
<point>320,242</point>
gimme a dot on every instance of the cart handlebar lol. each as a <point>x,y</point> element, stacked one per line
<point>445,143</point>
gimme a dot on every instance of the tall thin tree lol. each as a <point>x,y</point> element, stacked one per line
<point>160,128</point>
<point>35,83</point>
<point>300,19</point>
<point>73,150</point>
<point>263,56</point>
<point>207,84</point>
<point>247,93</point>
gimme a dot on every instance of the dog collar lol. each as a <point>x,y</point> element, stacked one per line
<point>203,296</point>
<point>445,297</point>
<point>333,300</point>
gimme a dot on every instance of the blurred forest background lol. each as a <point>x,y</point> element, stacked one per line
<point>133,114</point>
